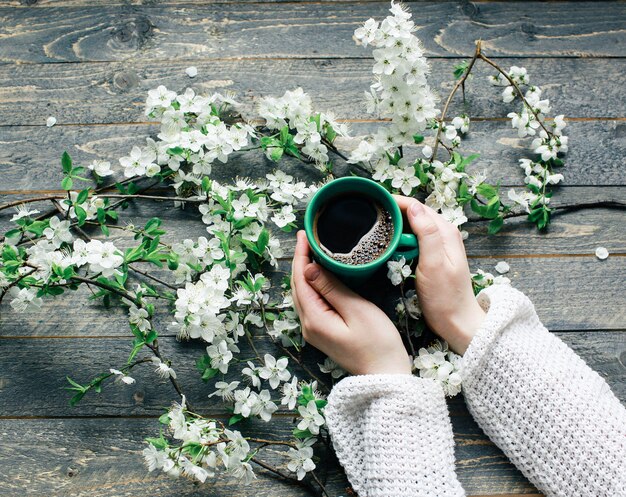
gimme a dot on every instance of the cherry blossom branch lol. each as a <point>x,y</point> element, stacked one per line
<point>15,282</point>
<point>458,84</point>
<point>515,85</point>
<point>605,204</point>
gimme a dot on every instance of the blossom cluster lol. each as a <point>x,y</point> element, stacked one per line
<point>439,363</point>
<point>549,141</point>
<point>307,132</point>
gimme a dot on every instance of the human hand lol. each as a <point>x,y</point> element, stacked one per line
<point>442,277</point>
<point>349,329</point>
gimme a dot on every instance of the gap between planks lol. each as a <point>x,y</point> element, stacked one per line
<point>169,335</point>
<point>349,121</point>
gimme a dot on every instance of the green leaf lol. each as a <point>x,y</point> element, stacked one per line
<point>66,163</point>
<point>159,443</point>
<point>78,170</point>
<point>82,196</point>
<point>331,134</point>
<point>487,191</point>
<point>175,151</point>
<point>81,214</point>
<point>12,233</point>
<point>67,183</point>
<point>151,336</point>
<point>235,419</point>
<point>206,184</point>
<point>418,139</point>
<point>495,225</point>
<point>302,433</point>
<point>164,419</point>
<point>263,240</point>
<point>209,373</point>
<point>276,154</point>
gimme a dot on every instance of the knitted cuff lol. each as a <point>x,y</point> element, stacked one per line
<point>393,436</point>
<point>503,305</point>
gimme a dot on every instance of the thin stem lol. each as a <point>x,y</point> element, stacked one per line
<point>152,197</point>
<point>517,88</point>
<point>458,85</point>
<point>153,278</point>
<point>30,200</point>
<point>336,151</point>
<point>274,470</point>
<point>15,282</point>
<point>608,204</point>
<point>154,347</point>
<point>322,487</point>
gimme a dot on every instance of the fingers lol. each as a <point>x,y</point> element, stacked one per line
<point>338,295</point>
<point>314,311</point>
<point>424,225</point>
<point>437,237</point>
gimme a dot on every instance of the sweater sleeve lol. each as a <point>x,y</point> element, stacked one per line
<point>555,418</point>
<point>393,436</point>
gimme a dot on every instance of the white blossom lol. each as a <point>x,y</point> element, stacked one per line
<point>602,253</point>
<point>311,418</point>
<point>101,167</point>
<point>58,232</point>
<point>502,267</point>
<point>398,270</point>
<point>274,371</point>
<point>123,377</point>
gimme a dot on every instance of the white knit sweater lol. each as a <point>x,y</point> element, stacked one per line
<point>555,418</point>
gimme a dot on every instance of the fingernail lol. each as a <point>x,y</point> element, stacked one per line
<point>312,272</point>
<point>416,208</point>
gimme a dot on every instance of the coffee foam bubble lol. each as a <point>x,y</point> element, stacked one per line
<point>371,245</point>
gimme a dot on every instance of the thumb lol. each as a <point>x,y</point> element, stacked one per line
<point>424,225</point>
<point>338,295</point>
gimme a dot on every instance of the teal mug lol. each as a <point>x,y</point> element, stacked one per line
<point>402,244</point>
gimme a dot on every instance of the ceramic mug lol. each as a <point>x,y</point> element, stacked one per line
<point>402,244</point>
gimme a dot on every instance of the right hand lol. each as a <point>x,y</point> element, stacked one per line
<point>442,277</point>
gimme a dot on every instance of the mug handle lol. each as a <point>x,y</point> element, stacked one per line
<point>407,247</point>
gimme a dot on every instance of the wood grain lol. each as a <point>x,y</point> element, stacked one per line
<point>115,92</point>
<point>30,156</point>
<point>571,233</point>
<point>105,33</point>
<point>26,361</point>
<point>563,289</point>
<point>86,457</point>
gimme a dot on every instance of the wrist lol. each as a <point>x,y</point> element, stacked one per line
<point>464,326</point>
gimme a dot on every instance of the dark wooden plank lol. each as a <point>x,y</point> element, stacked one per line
<point>234,30</point>
<point>102,457</point>
<point>81,457</point>
<point>579,232</point>
<point>30,156</point>
<point>116,92</point>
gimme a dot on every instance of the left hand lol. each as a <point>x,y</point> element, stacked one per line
<point>349,329</point>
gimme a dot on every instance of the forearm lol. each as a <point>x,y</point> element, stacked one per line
<point>555,418</point>
<point>393,436</point>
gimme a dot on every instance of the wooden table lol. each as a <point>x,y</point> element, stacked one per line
<point>91,66</point>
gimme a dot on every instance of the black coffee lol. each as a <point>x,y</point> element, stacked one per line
<point>353,229</point>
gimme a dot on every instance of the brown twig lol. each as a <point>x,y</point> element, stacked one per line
<point>458,84</point>
<point>517,88</point>
<point>561,209</point>
<point>15,282</point>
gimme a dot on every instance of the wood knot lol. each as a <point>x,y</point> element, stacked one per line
<point>470,9</point>
<point>71,472</point>
<point>136,30</point>
<point>125,80</point>
<point>138,397</point>
<point>530,29</point>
